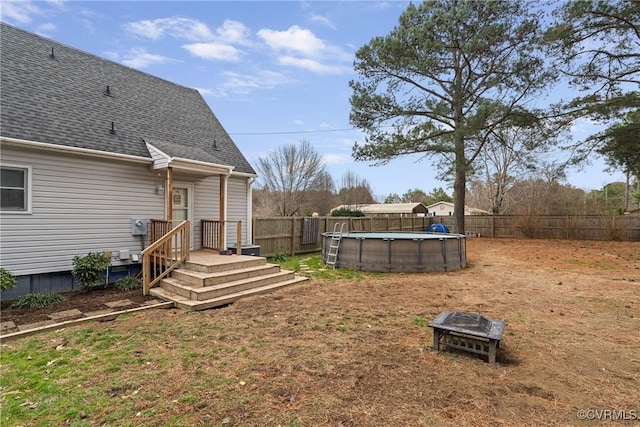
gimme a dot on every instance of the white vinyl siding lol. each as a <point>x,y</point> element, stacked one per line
<point>80,204</point>
<point>237,209</point>
<point>160,160</point>
<point>206,204</point>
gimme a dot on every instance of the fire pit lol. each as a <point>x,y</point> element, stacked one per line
<point>468,332</point>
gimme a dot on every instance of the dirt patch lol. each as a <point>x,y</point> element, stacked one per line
<point>358,352</point>
<point>85,302</point>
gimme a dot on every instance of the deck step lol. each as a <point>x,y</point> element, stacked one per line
<point>201,279</point>
<point>193,305</point>
<point>187,290</point>
<point>209,280</point>
<point>223,263</point>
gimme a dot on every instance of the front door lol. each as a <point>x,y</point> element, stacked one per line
<point>182,198</point>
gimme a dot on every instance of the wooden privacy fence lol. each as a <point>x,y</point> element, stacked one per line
<point>298,235</point>
<point>583,227</point>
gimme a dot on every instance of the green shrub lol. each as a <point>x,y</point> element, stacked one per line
<point>7,279</point>
<point>128,283</point>
<point>36,300</point>
<point>347,212</point>
<point>89,270</point>
<point>280,257</point>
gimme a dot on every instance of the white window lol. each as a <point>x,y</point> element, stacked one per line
<point>15,189</point>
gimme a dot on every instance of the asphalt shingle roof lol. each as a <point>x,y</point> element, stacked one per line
<point>63,100</point>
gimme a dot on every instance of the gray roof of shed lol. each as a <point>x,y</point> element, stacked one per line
<point>387,208</point>
<point>61,100</point>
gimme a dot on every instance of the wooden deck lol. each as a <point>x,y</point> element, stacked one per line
<point>209,280</point>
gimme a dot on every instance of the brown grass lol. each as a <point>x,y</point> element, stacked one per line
<point>358,353</point>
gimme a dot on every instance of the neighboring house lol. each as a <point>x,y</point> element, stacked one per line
<point>389,209</point>
<point>89,148</point>
<point>446,209</point>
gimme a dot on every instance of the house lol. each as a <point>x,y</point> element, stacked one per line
<point>447,209</point>
<point>92,152</point>
<point>389,209</point>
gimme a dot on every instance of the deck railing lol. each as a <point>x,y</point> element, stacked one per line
<point>160,227</point>
<point>212,234</point>
<point>165,253</point>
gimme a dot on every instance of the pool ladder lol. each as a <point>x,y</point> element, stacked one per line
<point>334,245</point>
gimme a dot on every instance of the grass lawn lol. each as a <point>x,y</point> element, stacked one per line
<point>354,349</point>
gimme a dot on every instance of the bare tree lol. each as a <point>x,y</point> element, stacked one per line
<point>323,197</point>
<point>355,190</point>
<point>288,174</point>
<point>510,153</point>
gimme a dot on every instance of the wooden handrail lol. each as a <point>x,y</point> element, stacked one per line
<point>164,255</point>
<point>160,227</point>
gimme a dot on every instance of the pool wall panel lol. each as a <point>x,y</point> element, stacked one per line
<point>399,252</point>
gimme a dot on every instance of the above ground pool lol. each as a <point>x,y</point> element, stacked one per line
<point>397,251</point>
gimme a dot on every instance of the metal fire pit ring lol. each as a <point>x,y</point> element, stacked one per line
<point>468,332</point>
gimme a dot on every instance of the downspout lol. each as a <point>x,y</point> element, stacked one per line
<point>169,194</point>
<point>249,228</point>
<point>223,205</point>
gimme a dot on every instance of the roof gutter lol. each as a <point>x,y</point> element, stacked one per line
<point>246,175</point>
<point>199,166</point>
<point>74,150</point>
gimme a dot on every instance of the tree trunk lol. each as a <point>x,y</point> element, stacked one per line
<point>459,194</point>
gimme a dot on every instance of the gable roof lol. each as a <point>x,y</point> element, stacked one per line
<point>55,94</point>
<point>433,205</point>
<point>467,209</point>
<point>387,208</point>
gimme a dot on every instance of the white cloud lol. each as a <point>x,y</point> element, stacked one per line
<point>243,84</point>
<point>585,126</point>
<point>233,32</point>
<point>213,50</point>
<point>311,65</point>
<point>206,44</point>
<point>323,20</point>
<point>336,159</point>
<point>300,48</point>
<point>46,30</point>
<point>19,11</point>
<point>295,39</point>
<point>114,56</point>
<point>204,91</point>
<point>57,3</point>
<point>180,28</point>
<point>140,58</point>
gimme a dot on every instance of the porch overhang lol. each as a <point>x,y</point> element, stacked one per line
<point>197,167</point>
<point>162,160</point>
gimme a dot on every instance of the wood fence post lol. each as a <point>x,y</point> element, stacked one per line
<point>493,226</point>
<point>293,236</point>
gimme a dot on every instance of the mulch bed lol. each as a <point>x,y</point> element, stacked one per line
<point>85,302</point>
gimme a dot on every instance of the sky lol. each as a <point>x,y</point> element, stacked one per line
<point>273,73</point>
